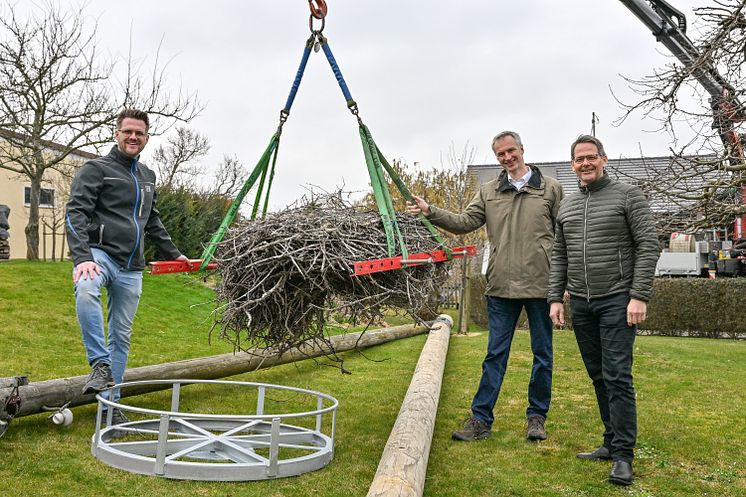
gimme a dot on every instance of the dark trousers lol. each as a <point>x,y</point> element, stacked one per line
<point>503,317</point>
<point>606,343</point>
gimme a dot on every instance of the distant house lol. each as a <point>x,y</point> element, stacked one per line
<point>15,190</point>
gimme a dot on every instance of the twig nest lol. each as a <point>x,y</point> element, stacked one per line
<point>282,278</point>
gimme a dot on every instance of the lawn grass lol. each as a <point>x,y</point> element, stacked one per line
<point>690,392</point>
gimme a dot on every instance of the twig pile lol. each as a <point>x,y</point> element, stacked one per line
<point>283,277</point>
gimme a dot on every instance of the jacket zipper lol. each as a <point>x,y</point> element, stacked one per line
<point>133,169</point>
<point>142,201</point>
<point>585,247</point>
<point>621,266</point>
<point>101,235</point>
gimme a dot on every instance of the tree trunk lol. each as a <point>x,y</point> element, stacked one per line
<point>54,241</point>
<point>32,228</point>
<point>64,238</point>
<point>67,391</point>
<point>403,465</point>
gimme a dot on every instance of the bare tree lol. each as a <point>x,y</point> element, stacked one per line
<point>464,188</point>
<point>703,185</point>
<point>59,95</point>
<point>54,217</point>
<point>175,162</point>
<point>229,177</point>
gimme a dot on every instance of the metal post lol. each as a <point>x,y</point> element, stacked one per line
<point>274,447</point>
<point>260,401</point>
<point>160,455</point>
<point>175,394</point>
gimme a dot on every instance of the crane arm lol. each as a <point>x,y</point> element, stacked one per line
<point>668,25</point>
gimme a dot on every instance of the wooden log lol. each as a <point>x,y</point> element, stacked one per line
<point>401,471</point>
<point>39,396</point>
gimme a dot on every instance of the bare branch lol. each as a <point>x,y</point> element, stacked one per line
<point>702,187</point>
<point>175,161</point>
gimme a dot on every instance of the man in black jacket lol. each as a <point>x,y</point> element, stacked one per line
<point>111,208</point>
<point>604,255</point>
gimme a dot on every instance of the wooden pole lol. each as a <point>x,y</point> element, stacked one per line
<point>401,471</point>
<point>463,309</point>
<point>37,396</point>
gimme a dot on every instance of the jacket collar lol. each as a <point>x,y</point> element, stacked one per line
<point>596,185</point>
<point>535,181</point>
<point>121,158</point>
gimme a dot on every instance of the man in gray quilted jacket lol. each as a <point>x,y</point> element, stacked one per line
<point>604,255</point>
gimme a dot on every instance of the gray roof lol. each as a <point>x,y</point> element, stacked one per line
<point>637,171</point>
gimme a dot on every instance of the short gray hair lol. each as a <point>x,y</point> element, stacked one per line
<point>505,134</point>
<point>587,139</point>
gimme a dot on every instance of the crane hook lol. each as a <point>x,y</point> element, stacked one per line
<point>319,10</point>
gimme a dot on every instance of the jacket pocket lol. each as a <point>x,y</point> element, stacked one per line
<point>490,268</point>
<point>101,234</point>
<point>621,263</point>
<point>146,200</point>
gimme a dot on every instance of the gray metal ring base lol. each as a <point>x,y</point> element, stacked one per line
<point>216,447</point>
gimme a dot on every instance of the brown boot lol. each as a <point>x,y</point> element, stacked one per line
<point>536,429</point>
<point>473,430</point>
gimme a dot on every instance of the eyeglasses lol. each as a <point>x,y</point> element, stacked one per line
<point>582,158</point>
<point>136,132</point>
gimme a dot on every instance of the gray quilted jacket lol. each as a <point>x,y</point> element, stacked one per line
<point>605,243</point>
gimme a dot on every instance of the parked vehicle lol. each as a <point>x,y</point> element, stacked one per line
<point>699,255</point>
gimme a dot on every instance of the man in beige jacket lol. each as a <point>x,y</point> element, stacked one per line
<point>519,208</point>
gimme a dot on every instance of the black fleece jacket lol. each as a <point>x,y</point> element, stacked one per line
<point>112,207</point>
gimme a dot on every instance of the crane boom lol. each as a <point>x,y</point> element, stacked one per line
<point>668,25</point>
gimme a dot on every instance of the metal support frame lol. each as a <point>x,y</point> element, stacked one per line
<point>178,444</point>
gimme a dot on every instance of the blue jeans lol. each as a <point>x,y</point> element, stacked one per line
<point>503,316</point>
<point>123,295</point>
<point>606,343</point>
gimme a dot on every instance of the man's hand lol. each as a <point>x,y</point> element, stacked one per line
<point>419,207</point>
<point>85,270</point>
<point>636,312</point>
<point>557,313</point>
<point>184,258</point>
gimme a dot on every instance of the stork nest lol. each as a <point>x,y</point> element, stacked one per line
<point>284,277</point>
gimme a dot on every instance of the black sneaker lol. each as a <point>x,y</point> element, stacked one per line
<point>536,429</point>
<point>117,417</point>
<point>100,379</point>
<point>473,430</point>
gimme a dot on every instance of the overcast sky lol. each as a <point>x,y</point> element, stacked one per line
<point>425,73</point>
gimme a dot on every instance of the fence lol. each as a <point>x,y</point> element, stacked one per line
<point>450,296</point>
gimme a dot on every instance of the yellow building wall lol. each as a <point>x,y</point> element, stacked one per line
<point>12,187</point>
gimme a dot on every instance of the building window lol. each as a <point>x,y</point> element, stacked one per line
<point>46,197</point>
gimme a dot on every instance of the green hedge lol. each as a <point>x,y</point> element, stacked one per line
<point>698,307</point>
<point>191,219</point>
<point>695,307</point>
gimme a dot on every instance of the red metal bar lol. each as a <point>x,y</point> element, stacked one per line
<point>389,263</point>
<point>165,267</point>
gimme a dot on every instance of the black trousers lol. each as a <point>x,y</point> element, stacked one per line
<point>606,343</point>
